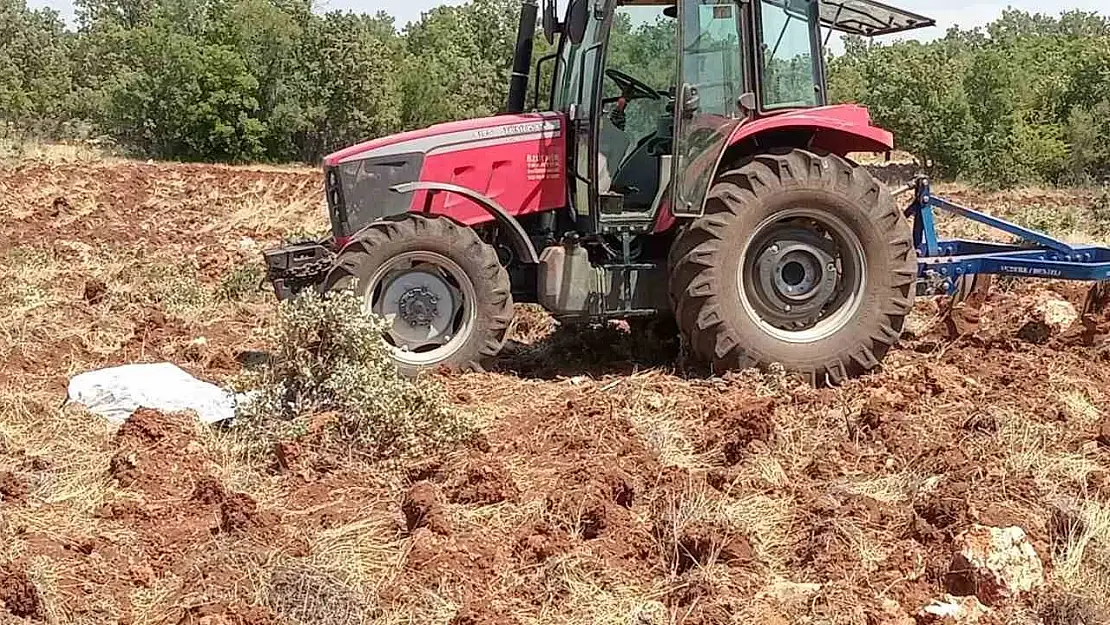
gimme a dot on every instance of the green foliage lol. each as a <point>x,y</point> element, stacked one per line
<point>331,360</point>
<point>1024,100</point>
<point>241,281</point>
<point>35,72</point>
<point>458,60</point>
<point>186,100</point>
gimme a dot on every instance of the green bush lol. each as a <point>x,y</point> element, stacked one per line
<point>241,281</point>
<point>331,359</point>
<point>1024,100</point>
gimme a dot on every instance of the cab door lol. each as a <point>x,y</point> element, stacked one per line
<point>712,77</point>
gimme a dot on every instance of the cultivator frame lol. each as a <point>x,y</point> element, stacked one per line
<point>942,263</point>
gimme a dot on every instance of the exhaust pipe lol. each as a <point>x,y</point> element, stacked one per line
<point>522,57</point>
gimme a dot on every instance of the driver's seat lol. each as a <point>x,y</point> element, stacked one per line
<point>637,177</point>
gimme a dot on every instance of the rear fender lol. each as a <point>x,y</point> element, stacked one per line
<point>839,129</point>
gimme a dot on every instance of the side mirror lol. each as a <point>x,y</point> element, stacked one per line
<point>550,21</point>
<point>746,102</point>
<point>577,18</point>
<point>690,101</point>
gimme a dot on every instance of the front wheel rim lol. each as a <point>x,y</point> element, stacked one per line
<point>802,275</point>
<point>428,303</point>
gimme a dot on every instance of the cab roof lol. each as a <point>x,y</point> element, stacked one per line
<point>858,17</point>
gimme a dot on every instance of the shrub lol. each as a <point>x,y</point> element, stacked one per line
<point>241,281</point>
<point>332,377</point>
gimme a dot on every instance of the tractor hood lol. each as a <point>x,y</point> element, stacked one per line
<point>516,160</point>
<point>440,137</point>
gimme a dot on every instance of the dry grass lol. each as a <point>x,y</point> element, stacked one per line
<point>180,241</point>
<point>83,151</point>
<point>1082,559</point>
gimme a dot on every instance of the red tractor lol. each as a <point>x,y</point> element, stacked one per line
<point>717,192</point>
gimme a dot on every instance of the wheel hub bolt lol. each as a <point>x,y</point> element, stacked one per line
<point>417,306</point>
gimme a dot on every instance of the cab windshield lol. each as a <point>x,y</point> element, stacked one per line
<point>790,54</point>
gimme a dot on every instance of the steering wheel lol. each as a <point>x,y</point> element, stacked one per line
<point>632,88</point>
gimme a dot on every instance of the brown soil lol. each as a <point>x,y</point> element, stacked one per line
<point>12,487</point>
<point>731,430</point>
<point>481,482</point>
<point>423,507</point>
<point>19,596</point>
<point>584,499</point>
<point>95,290</point>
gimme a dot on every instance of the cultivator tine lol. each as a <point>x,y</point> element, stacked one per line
<point>1097,299</point>
<point>1093,317</point>
<point>963,309</point>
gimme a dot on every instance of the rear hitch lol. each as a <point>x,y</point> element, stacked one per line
<point>293,268</point>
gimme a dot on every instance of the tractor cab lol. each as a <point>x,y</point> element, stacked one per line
<point>656,91</point>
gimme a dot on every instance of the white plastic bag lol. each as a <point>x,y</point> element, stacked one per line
<point>117,392</point>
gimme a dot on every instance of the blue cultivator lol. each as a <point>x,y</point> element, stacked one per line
<point>942,263</point>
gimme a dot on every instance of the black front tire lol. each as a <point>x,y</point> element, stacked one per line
<point>706,259</point>
<point>384,240</point>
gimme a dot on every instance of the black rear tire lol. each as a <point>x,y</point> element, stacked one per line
<point>383,241</point>
<point>729,332</point>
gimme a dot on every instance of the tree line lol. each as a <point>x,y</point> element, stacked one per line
<point>245,80</point>
<point>1025,99</point>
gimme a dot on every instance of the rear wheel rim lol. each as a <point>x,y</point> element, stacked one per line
<point>428,302</point>
<point>802,275</point>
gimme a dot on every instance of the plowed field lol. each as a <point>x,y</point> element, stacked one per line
<point>609,485</point>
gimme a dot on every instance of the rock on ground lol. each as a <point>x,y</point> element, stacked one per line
<point>949,609</point>
<point>993,564</point>
<point>1056,313</point>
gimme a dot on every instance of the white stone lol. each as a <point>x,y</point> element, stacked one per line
<point>1056,313</point>
<point>994,564</point>
<point>961,610</point>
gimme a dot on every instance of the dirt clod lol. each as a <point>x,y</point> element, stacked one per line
<point>287,455</point>
<point>142,574</point>
<point>945,511</point>
<point>95,291</point>
<point>124,468</point>
<point>482,483</point>
<point>732,432</point>
<point>208,490</point>
<point>145,425</point>
<point>18,594</point>
<point>13,487</point>
<point>1103,436</point>
<point>1035,331</point>
<point>423,507</point>
<point>239,512</point>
